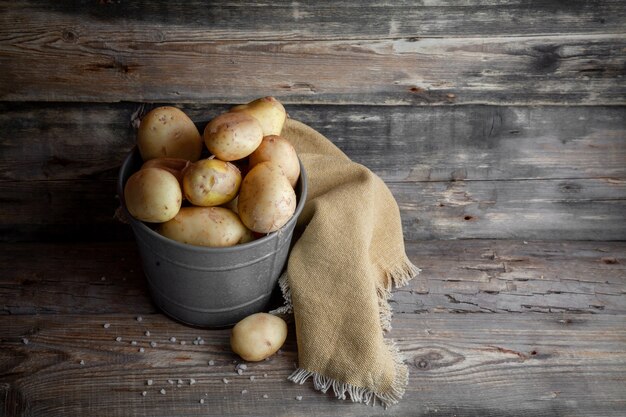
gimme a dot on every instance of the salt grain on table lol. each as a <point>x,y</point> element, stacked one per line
<point>299,397</point>
<point>252,378</point>
<point>171,381</point>
<point>172,339</point>
<point>139,318</point>
<point>240,371</point>
<point>163,391</point>
<point>180,382</point>
<point>144,393</point>
<point>149,382</point>
<point>265,396</point>
<point>201,400</point>
<point>147,333</point>
<point>25,341</point>
<point>134,343</point>
<point>106,325</point>
<point>141,350</point>
<point>182,342</point>
<point>244,391</point>
<point>192,381</point>
<point>82,362</point>
<point>225,380</point>
<point>211,362</point>
<point>153,344</point>
<point>118,339</point>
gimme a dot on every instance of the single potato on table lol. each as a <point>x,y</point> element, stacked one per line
<point>205,226</point>
<point>211,182</point>
<point>266,198</point>
<point>280,151</point>
<point>232,136</point>
<point>168,132</point>
<point>152,195</point>
<point>258,336</point>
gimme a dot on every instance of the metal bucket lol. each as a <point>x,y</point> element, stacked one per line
<point>210,287</point>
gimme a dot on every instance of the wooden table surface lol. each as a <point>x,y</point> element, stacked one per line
<point>499,126</point>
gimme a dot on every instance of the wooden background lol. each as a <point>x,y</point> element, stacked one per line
<point>499,126</point>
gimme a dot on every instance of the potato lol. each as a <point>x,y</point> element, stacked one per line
<point>204,226</point>
<point>175,166</point>
<point>152,195</point>
<point>232,136</point>
<point>280,151</point>
<point>266,199</point>
<point>258,336</point>
<point>268,111</point>
<point>168,132</point>
<point>211,182</point>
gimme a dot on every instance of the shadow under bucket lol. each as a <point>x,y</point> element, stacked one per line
<point>204,286</point>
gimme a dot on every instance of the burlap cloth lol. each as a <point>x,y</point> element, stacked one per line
<point>340,272</point>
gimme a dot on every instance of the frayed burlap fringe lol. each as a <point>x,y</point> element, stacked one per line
<point>360,394</point>
<point>396,277</point>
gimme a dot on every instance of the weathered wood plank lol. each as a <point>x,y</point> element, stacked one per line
<point>284,19</point>
<point>464,276</point>
<point>62,141</point>
<point>463,365</point>
<point>568,209</point>
<point>580,69</point>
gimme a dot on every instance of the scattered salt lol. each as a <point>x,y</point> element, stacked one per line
<point>153,344</point>
<point>139,318</point>
<point>211,362</point>
<point>240,371</point>
<point>265,396</point>
<point>149,382</point>
<point>195,342</point>
<point>141,350</point>
<point>244,391</point>
<point>171,381</point>
<point>103,278</point>
<point>147,333</point>
<point>134,343</point>
<point>172,339</point>
<point>201,342</point>
<point>180,381</point>
<point>144,393</point>
<point>252,378</point>
<point>163,391</point>
<point>25,340</point>
<point>225,380</point>
<point>299,397</point>
<point>106,325</point>
<point>201,400</point>
<point>182,342</point>
<point>82,362</point>
<point>264,375</point>
<point>192,381</point>
<point>118,339</point>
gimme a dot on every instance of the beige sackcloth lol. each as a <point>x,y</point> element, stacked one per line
<point>348,256</point>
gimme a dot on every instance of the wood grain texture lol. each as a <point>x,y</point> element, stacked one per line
<point>460,276</point>
<point>463,365</point>
<point>284,19</point>
<point>66,141</point>
<point>588,209</point>
<point>578,69</point>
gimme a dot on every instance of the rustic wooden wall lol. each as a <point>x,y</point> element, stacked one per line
<point>487,119</point>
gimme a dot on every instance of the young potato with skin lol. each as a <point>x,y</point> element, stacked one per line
<point>279,150</point>
<point>168,132</point>
<point>232,136</point>
<point>266,198</point>
<point>204,226</point>
<point>152,195</point>
<point>175,166</point>
<point>211,182</point>
<point>268,111</point>
<point>258,336</point>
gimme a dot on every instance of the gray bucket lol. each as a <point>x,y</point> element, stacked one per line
<point>210,287</point>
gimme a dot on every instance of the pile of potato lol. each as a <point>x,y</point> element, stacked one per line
<point>245,189</point>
